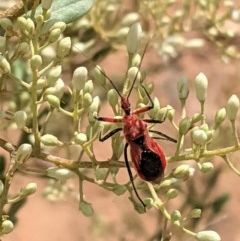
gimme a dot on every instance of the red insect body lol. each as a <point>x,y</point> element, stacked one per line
<point>135,130</point>
<point>147,156</point>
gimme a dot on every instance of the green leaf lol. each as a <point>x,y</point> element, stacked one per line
<point>70,10</point>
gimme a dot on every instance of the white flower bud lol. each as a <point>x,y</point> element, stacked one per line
<point>176,215</point>
<point>23,153</point>
<point>220,116</point>
<point>36,61</point>
<point>80,138</point>
<point>208,236</point>
<point>1,187</point>
<point>23,49</point>
<point>80,76</point>
<point>59,173</point>
<point>87,100</point>
<point>172,193</point>
<point>50,140</point>
<point>232,107</point>
<point>20,118</point>
<point>30,27</point>
<point>183,88</point>
<point>112,96</point>
<point>133,38</point>
<point>53,75</point>
<point>201,85</point>
<point>4,65</point>
<point>130,19</point>
<point>207,167</point>
<point>199,137</point>
<point>184,126</point>
<point>52,100</point>
<point>6,23</point>
<point>196,213</point>
<point>54,35</point>
<point>88,87</point>
<point>181,172</point>
<point>64,47</point>
<point>7,226</point>
<point>29,189</point>
<point>133,73</point>
<point>99,76</point>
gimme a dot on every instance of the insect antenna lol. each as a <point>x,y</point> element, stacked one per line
<point>135,78</point>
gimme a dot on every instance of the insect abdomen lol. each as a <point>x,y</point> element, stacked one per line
<point>150,165</point>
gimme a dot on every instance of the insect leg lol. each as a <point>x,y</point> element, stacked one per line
<point>130,174</point>
<point>145,108</point>
<point>108,135</point>
<point>164,136</point>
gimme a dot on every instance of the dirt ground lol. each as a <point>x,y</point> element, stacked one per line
<point>114,218</point>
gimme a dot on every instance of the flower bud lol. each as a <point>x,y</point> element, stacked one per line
<point>41,83</point>
<point>207,167</point>
<point>130,19</point>
<point>183,88</point>
<point>184,126</point>
<point>153,113</point>
<point>1,187</point>
<point>196,213</point>
<point>136,60</point>
<point>64,47</point>
<point>119,189</point>
<point>29,189</point>
<point>23,153</point>
<point>60,25</point>
<point>54,35</point>
<point>87,100</point>
<point>112,98</point>
<point>36,61</point>
<point>176,216</point>
<point>50,140</point>
<point>59,173</point>
<point>220,116</point>
<point>201,85</point>
<point>23,49</point>
<point>99,75</point>
<point>232,107</point>
<point>80,138</point>
<point>20,118</point>
<point>53,100</point>
<point>133,73</point>
<point>6,23</point>
<point>22,22</point>
<point>199,137</point>
<point>80,75</point>
<point>30,27</point>
<point>101,174</point>
<point>172,193</point>
<point>94,108</point>
<point>167,184</point>
<point>7,226</point>
<point>208,236</point>
<point>86,208</point>
<point>53,75</point>
<point>88,87</point>
<point>5,67</point>
<point>181,172</point>
<point>133,38</point>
